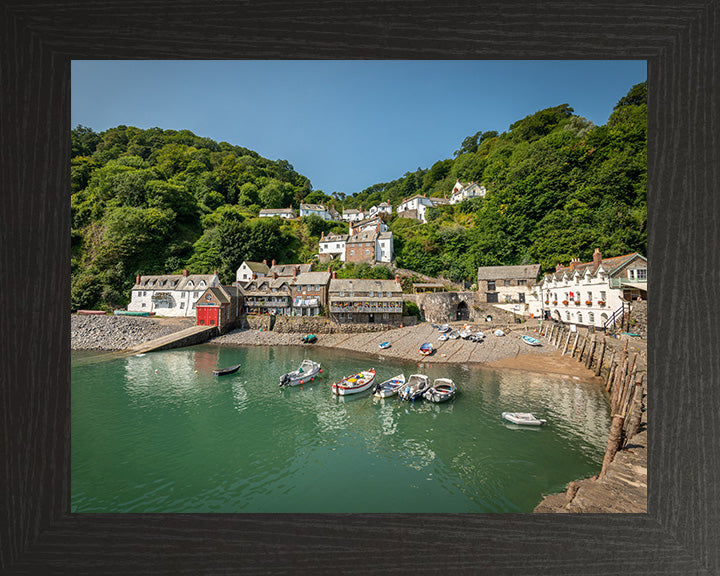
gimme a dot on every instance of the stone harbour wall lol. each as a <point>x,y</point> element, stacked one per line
<point>323,325</point>
<point>120,332</point>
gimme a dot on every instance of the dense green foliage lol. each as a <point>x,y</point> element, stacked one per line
<point>158,201</point>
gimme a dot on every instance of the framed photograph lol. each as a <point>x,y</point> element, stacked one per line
<point>40,533</point>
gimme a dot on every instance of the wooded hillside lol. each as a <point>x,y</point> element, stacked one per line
<point>158,201</point>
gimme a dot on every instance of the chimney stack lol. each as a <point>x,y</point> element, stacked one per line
<point>274,275</point>
<point>397,278</point>
<point>574,263</point>
<point>185,272</point>
<point>334,275</point>
<point>137,279</point>
<point>328,268</point>
<point>273,261</point>
<point>254,277</point>
<point>265,262</point>
<point>215,271</point>
<point>295,271</point>
<point>597,257</point>
<point>558,267</point>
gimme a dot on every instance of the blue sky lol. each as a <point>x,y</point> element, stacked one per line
<point>346,125</point>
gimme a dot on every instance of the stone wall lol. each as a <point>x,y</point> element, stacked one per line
<point>257,322</point>
<point>323,325</point>
<point>442,307</point>
<point>638,318</point>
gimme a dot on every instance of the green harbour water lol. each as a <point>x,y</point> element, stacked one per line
<point>161,433</point>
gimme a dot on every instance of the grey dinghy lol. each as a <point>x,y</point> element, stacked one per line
<point>442,390</point>
<point>414,387</point>
<point>308,371</point>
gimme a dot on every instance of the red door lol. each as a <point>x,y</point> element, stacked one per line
<point>207,315</point>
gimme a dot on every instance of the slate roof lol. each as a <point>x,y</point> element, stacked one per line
<point>174,281</point>
<point>318,207</point>
<point>287,269</point>
<point>611,265</point>
<point>258,267</point>
<point>364,236</point>
<point>266,211</point>
<point>313,278</point>
<point>334,238</point>
<point>524,272</point>
<point>364,285</point>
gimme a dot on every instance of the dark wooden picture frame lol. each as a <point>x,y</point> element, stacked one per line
<point>680,534</point>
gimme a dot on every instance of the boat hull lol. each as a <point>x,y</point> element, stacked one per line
<point>414,388</point>
<point>389,387</point>
<point>344,387</point>
<point>226,371</point>
<point>522,419</point>
<point>295,378</point>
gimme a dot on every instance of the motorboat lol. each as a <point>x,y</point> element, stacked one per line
<point>390,387</point>
<point>442,337</point>
<point>531,341</point>
<point>307,372</point>
<point>499,333</point>
<point>384,345</point>
<point>354,384</point>
<point>442,390</point>
<point>454,335</point>
<point>228,370</point>
<point>479,336</point>
<point>523,418</point>
<point>309,339</point>
<point>426,349</point>
<point>444,328</point>
<point>414,388</point>
<point>465,334</point>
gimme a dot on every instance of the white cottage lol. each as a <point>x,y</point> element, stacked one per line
<point>170,295</point>
<point>248,270</point>
<point>593,293</point>
<point>415,207</point>
<point>315,210</point>
<point>352,215</point>
<point>462,192</point>
<point>332,247</point>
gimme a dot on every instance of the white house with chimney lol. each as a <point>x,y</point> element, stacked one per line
<point>462,192</point>
<point>247,269</point>
<point>593,293</point>
<point>316,210</point>
<point>353,215</point>
<point>415,207</point>
<point>170,294</point>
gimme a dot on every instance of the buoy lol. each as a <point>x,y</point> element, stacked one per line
<point>302,381</point>
<point>156,370</point>
<point>320,370</point>
<point>312,379</point>
<point>195,371</point>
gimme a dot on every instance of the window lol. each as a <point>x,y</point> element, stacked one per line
<point>641,274</point>
<point>508,282</point>
<point>567,316</point>
<point>182,305</point>
<point>352,252</point>
<point>143,305</point>
<point>521,282</point>
<point>580,321</point>
<point>491,284</point>
<point>591,318</point>
<point>602,296</point>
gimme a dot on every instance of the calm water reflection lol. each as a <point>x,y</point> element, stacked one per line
<point>160,433</point>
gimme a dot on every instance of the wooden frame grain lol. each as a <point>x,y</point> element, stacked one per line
<point>680,532</point>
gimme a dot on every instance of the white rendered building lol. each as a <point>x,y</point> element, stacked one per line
<point>462,192</point>
<point>170,295</point>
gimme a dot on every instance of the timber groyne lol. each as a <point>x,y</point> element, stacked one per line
<point>621,485</point>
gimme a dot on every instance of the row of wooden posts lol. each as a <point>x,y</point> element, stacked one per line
<point>624,381</point>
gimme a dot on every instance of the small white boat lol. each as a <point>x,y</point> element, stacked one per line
<point>390,387</point>
<point>499,333</point>
<point>454,335</point>
<point>444,328</point>
<point>464,334</point>
<point>384,345</point>
<point>307,372</point>
<point>414,387</point>
<point>354,384</point>
<point>442,390</point>
<point>442,337</point>
<point>426,349</point>
<point>531,341</point>
<point>523,418</point>
<point>479,336</point>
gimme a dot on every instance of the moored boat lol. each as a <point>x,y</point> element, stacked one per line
<point>531,341</point>
<point>524,418</point>
<point>92,312</point>
<point>389,387</point>
<point>356,383</point>
<point>307,372</point>
<point>454,335</point>
<point>384,345</point>
<point>130,313</point>
<point>309,339</point>
<point>444,328</point>
<point>442,390</point>
<point>499,332</point>
<point>442,337</point>
<point>228,370</point>
<point>426,349</point>
<point>465,333</point>
<point>414,387</point>
<point>479,336</point>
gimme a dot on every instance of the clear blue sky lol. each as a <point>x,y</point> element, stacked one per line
<point>346,125</point>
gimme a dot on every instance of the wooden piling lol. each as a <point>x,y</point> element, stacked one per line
<point>575,342</point>
<point>611,371</point>
<point>591,352</point>
<point>598,368</point>
<point>582,350</point>
<point>567,341</point>
<point>635,410</point>
<point>618,381</point>
<point>613,444</point>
